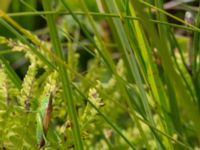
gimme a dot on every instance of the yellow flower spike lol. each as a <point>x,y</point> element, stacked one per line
<point>27,33</point>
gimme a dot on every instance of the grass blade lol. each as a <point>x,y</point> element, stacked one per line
<point>67,91</point>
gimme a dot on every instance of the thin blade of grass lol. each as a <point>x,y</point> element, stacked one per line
<point>181,92</point>
<point>150,73</point>
<point>129,59</point>
<point>25,41</point>
<point>67,91</point>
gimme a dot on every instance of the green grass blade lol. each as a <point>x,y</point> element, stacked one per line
<point>150,73</point>
<point>129,59</point>
<point>25,41</point>
<point>184,99</point>
<point>67,91</point>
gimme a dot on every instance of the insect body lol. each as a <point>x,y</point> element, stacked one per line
<point>43,120</point>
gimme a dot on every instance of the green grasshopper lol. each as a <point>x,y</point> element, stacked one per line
<point>43,120</point>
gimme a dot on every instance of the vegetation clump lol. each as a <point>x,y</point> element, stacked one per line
<point>103,74</point>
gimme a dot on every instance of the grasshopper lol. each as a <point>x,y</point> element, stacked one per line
<point>43,120</point>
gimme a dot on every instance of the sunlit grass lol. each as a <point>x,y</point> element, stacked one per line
<point>138,93</point>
